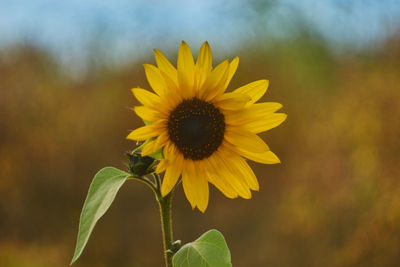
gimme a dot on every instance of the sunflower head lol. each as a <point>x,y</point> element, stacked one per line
<point>204,133</point>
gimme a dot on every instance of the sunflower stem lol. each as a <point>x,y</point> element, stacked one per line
<point>146,181</point>
<point>157,180</point>
<point>166,226</point>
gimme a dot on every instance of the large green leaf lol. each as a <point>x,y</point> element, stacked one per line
<point>102,191</point>
<point>209,250</point>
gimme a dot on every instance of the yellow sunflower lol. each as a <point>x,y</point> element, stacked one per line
<point>204,132</point>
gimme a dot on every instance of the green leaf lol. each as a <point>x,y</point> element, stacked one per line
<point>209,250</point>
<point>102,191</point>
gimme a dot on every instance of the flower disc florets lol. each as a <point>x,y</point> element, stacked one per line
<point>197,128</point>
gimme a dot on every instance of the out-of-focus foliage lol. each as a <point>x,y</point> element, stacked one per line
<point>334,200</point>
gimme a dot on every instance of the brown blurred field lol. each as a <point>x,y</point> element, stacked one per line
<point>334,200</point>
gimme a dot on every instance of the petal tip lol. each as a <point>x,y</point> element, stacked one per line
<point>130,136</point>
<point>146,151</point>
<point>205,44</point>
<point>135,90</point>
<point>284,116</point>
<point>157,53</point>
<point>164,192</point>
<point>273,158</point>
<point>246,196</point>
<point>202,209</point>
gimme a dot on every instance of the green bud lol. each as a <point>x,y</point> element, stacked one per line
<point>175,246</point>
<point>139,165</point>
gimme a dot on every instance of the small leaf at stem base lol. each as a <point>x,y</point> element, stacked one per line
<point>209,250</point>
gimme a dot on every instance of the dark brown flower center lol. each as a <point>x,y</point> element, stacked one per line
<point>197,128</point>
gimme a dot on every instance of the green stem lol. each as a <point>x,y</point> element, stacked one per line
<point>145,181</point>
<point>157,180</point>
<point>165,204</point>
<point>166,226</point>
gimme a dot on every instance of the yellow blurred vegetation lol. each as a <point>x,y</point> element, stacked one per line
<point>334,200</point>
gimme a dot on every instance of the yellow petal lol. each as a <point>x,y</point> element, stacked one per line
<point>270,121</point>
<point>256,112</point>
<point>245,170</point>
<point>242,170</point>
<point>232,70</point>
<point>264,108</point>
<point>202,185</point>
<point>255,90</point>
<point>219,180</point>
<point>195,186</point>
<point>186,70</point>
<point>214,84</point>
<point>231,101</point>
<point>172,173</point>
<point>155,79</point>
<point>155,145</point>
<point>204,59</point>
<point>161,166</point>
<point>203,64</point>
<point>243,139</point>
<point>147,113</point>
<point>148,148</point>
<point>267,157</point>
<point>166,66</point>
<point>173,94</point>
<point>146,98</point>
<point>146,132</point>
<point>222,163</point>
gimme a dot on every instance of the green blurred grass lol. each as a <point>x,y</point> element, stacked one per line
<point>334,200</point>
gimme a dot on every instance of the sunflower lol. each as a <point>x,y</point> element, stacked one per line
<point>204,133</point>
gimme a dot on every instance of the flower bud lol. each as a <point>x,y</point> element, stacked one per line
<point>139,165</point>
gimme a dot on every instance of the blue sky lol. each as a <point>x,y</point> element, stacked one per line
<point>129,29</point>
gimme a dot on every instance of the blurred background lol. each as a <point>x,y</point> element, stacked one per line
<point>66,68</point>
